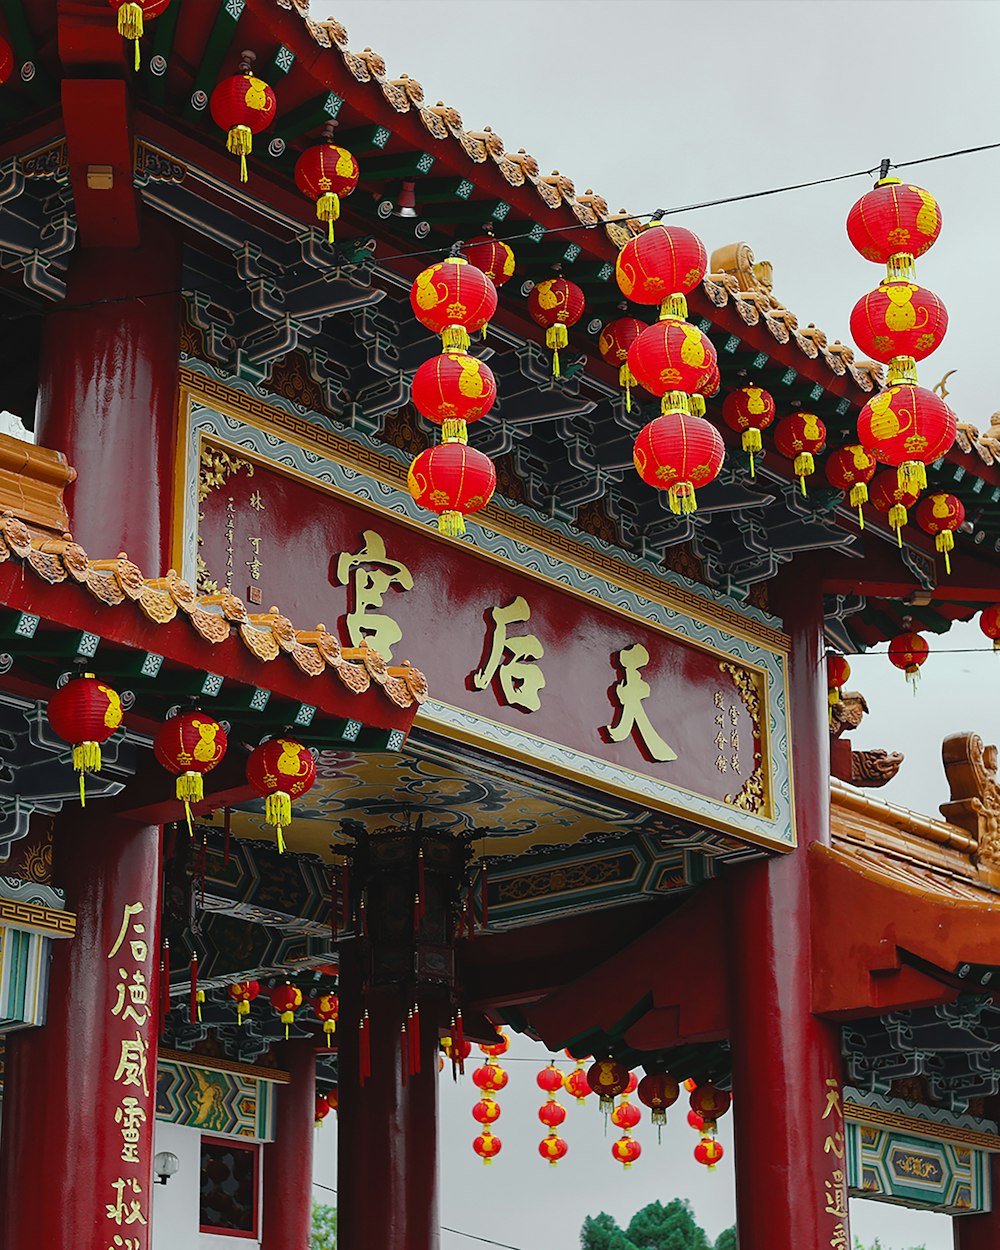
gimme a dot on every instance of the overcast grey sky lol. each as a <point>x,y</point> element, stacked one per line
<point>670,103</point>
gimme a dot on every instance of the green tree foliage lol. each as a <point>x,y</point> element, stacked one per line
<point>600,1232</point>
<point>655,1227</point>
<point>324,1228</point>
<point>726,1240</point>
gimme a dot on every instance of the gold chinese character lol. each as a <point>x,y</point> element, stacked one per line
<point>132,1063</point>
<point>256,502</point>
<point>369,586</point>
<point>718,699</point>
<point>832,1099</point>
<point>836,1195</point>
<point>720,764</point>
<point>138,947</point>
<point>839,1239</point>
<point>124,1210</point>
<point>835,1144</point>
<point>631,694</point>
<point>734,763</point>
<point>734,739</point>
<point>734,714</point>
<point>124,1243</point>
<point>720,719</point>
<point>520,677</point>
<point>720,740</point>
<point>131,1117</point>
<point>138,998</point>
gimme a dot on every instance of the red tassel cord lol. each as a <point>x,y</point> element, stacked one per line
<point>404,1053</point>
<point>194,989</point>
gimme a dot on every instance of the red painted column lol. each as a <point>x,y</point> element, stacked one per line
<point>790,1155</point>
<point>107,394</point>
<point>982,1232</point>
<point>79,1100</point>
<point>288,1160</point>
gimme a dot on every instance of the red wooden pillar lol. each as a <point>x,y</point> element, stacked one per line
<point>287,1214</point>
<point>79,1098</point>
<point>982,1232</point>
<point>790,1154</point>
<point>107,394</point>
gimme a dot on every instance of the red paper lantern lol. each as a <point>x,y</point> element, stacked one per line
<point>454,299</point>
<point>695,1121</point>
<point>556,304</point>
<point>658,1091</point>
<point>633,1083</point>
<point>286,999</point>
<point>490,1078</point>
<point>850,469</point>
<point>712,385</point>
<point>553,1148</point>
<point>550,1079</point>
<point>190,745</point>
<point>496,1048</point>
<point>132,14</point>
<point>323,1109</point>
<point>899,319</point>
<point>908,427</point>
<point>894,219</point>
<point>626,1150</point>
<point>616,339</point>
<point>452,480</point>
<point>838,673</point>
<point>709,1152</point>
<point>888,496</point>
<point>243,106</point>
<point>280,770</point>
<point>492,256</point>
<point>626,1115</point>
<point>552,1113</point>
<point>679,454</point>
<point>710,1103</point>
<point>487,1146</point>
<point>940,515</point>
<point>659,262</point>
<point>748,411</point>
<point>326,173</point>
<point>908,651</point>
<point>799,438</point>
<point>674,360</point>
<point>486,1111</point>
<point>989,623</point>
<point>608,1078</point>
<point>333,1098</point>
<point>6,61</point>
<point>452,390</point>
<point>85,712</point>
<point>243,993</point>
<point>578,1086</point>
<point>327,1009</point>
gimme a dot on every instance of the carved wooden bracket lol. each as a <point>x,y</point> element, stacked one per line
<point>971,768</point>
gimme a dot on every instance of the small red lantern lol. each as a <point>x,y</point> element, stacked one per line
<point>492,256</point>
<point>243,106</point>
<point>487,1146</point>
<point>6,61</point>
<point>462,1052</point>
<point>616,339</point>
<point>626,1150</point>
<point>496,1048</point>
<point>323,1109</point>
<point>899,319</point>
<point>658,1091</point>
<point>326,173</point>
<point>486,1111</point>
<point>490,1078</point>
<point>280,770</point>
<point>550,1079</point>
<point>710,1102</point>
<point>940,515</point>
<point>452,480</point>
<point>131,16</point>
<point>673,356</point>
<point>633,1084</point>
<point>190,745</point>
<point>695,1121</point>
<point>850,469</point>
<point>893,220</point>
<point>890,497</point>
<point>553,1148</point>
<point>679,454</point>
<point>838,673</point>
<point>608,1078</point>
<point>748,411</point>
<point>454,299</point>
<point>908,651</point>
<point>556,304</point>
<point>799,438</point>
<point>452,390</point>
<point>243,993</point>
<point>989,623</point>
<point>907,427</point>
<point>709,1152</point>
<point>660,262</point>
<point>85,712</point>
<point>552,1113</point>
<point>286,999</point>
<point>626,1115</point>
<point>327,1009</point>
<point>578,1086</point>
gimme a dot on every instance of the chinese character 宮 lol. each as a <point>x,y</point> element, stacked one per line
<point>371,574</point>
<point>631,695</point>
<point>519,675</point>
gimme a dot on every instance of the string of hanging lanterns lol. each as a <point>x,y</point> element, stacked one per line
<point>552,1114</point>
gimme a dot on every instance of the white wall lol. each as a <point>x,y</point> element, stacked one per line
<point>175,1205</point>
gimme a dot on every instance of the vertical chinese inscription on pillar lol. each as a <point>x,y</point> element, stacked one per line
<point>370,574</point>
<point>835,1184</point>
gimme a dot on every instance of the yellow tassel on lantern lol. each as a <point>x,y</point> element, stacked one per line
<point>899,268</point>
<point>451,523</point>
<point>626,381</point>
<point>912,476</point>
<point>130,25</point>
<point>902,371</point>
<point>897,519</point>
<point>278,812</point>
<point>859,496</point>
<point>328,210</point>
<point>945,543</point>
<point>199,998</point>
<point>86,759</point>
<point>556,336</point>
<point>286,1019</point>
<point>455,338</point>
<point>329,1028</point>
<point>752,442</point>
<point>682,498</point>
<point>240,143</point>
<point>913,677</point>
<point>190,789</point>
<point>454,430</point>
<point>697,405</point>
<point>242,1009</point>
<point>674,306</point>
<point>804,465</point>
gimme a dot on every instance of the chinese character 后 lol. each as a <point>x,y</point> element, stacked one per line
<point>631,695</point>
<point>137,945</point>
<point>138,997</point>
<point>131,1117</point>
<point>126,1210</point>
<point>369,587</point>
<point>520,677</point>
<point>256,502</point>
<point>132,1063</point>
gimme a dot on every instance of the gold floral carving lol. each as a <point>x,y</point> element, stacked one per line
<point>753,796</point>
<point>216,468</point>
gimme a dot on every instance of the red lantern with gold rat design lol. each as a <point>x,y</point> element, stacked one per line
<point>327,173</point>
<point>487,1146</point>
<point>243,993</point>
<point>494,257</point>
<point>132,16</point>
<point>453,480</point>
<point>659,263</point>
<point>552,1113</point>
<point>673,359</point>
<point>909,651</point>
<point>6,61</point>
<point>454,299</point>
<point>490,1077</point>
<point>899,319</point>
<point>894,219</point>
<point>748,411</point>
<point>286,1000</point>
<point>280,770</point>
<point>989,623</point>
<point>838,673</point>
<point>799,438</point>
<point>327,1009</point>
<point>556,304</point>
<point>190,745</point>
<point>243,106</point>
<point>708,1152</point>
<point>850,469</point>
<point>85,712</point>
<point>626,1115</point>
<point>679,454</point>
<point>888,496</point>
<point>908,427</point>
<point>453,390</point>
<point>710,1102</point>
<point>553,1147</point>
<point>608,1078</point>
<point>322,1110</point>
<point>940,515</point>
<point>658,1091</point>
<point>616,339</point>
<point>496,1049</point>
<point>626,1150</point>
<point>486,1111</point>
<point>550,1079</point>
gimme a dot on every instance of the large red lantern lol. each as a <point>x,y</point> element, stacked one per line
<point>327,1009</point>
<point>908,651</point>
<point>850,469</point>
<point>907,427</point>
<point>131,16</point>
<point>888,496</point>
<point>799,438</point>
<point>894,220</point>
<point>679,454</point>
<point>673,356</point>
<point>486,1110</point>
<point>452,480</point>
<point>326,173</point>
<point>553,1148</point>
<point>85,712</point>
<point>452,390</point>
<point>487,1146</point>
<point>6,61</point>
<point>899,319</point>
<point>710,1102</point>
<point>577,1085</point>
<point>626,1150</point>
<point>243,106</point>
<point>708,1152</point>
<point>454,299</point>
<point>626,1115</point>
<point>659,262</point>
<point>280,770</point>
<point>550,1079</point>
<point>286,999</point>
<point>243,993</point>
<point>989,623</point>
<point>492,256</point>
<point>616,339</point>
<point>190,745</point>
<point>748,411</point>
<point>658,1091</point>
<point>940,515</point>
<point>608,1078</point>
<point>552,1113</point>
<point>490,1078</point>
<point>556,304</point>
